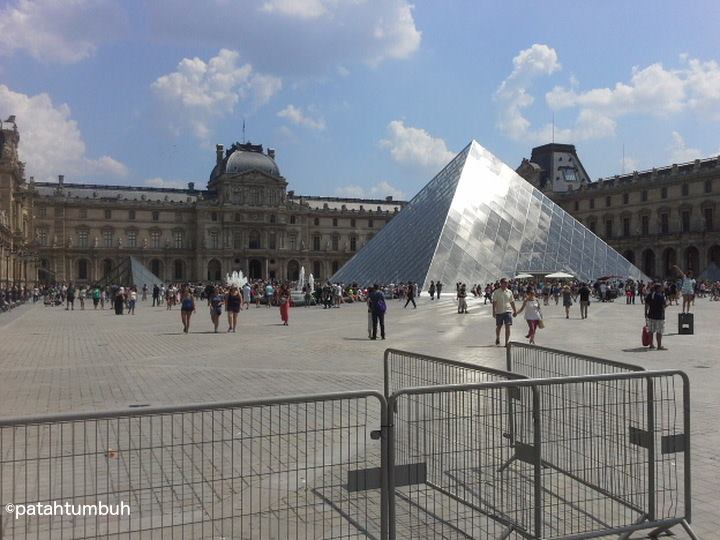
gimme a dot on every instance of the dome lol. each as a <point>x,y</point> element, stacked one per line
<point>242,160</point>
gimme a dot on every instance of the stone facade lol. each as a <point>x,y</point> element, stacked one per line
<point>245,220</point>
<point>17,259</point>
<point>655,218</point>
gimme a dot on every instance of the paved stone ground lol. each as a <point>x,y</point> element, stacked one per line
<point>57,361</point>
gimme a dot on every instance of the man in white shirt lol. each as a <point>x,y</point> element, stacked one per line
<point>504,310</point>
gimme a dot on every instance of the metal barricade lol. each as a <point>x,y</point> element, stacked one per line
<point>593,455</point>
<point>301,467</point>
<point>404,369</point>
<point>540,362</point>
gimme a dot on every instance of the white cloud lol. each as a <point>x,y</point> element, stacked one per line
<point>680,152</point>
<point>50,140</point>
<point>64,31</point>
<point>411,145</point>
<point>302,9</point>
<point>200,91</point>
<point>163,183</point>
<point>335,34</point>
<point>296,116</point>
<point>652,90</point>
<point>378,191</point>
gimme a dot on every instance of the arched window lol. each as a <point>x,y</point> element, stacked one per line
<point>335,266</point>
<point>648,262</point>
<point>83,269</point>
<point>156,267</point>
<point>293,271</point>
<point>178,269</point>
<point>254,240</point>
<point>214,270</point>
<point>316,270</point>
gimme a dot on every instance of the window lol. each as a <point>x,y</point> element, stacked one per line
<point>254,242</point>
<point>214,240</point>
<point>271,241</point>
<point>335,242</point>
<point>663,193</point>
<point>708,214</point>
<point>626,198</point>
<point>608,228</point>
<point>132,239</point>
<point>316,221</point>
<point>370,223</point>
<point>576,206</point>
<point>178,269</point>
<point>316,270</point>
<point>664,223</point>
<point>82,239</point>
<point>131,214</point>
<point>708,186</point>
<point>643,195</point>
<point>59,211</point>
<point>334,222</point>
<point>82,269</point>
<point>155,239</point>
<point>353,243</point>
<point>108,213</point>
<point>316,243</point>
<point>107,238</point>
<point>83,213</point>
<point>272,218</point>
<point>592,225</point>
<point>608,201</point>
<point>592,204</point>
<point>156,216</point>
<point>685,190</point>
<point>685,220</point>
<point>626,226</point>
<point>179,239</point>
<point>292,220</point>
<point>238,217</point>
<point>42,211</point>
<point>645,225</point>
<point>42,236</point>
<point>569,174</point>
<point>213,216</point>
<point>352,222</point>
<point>293,242</point>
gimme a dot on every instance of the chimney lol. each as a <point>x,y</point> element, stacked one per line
<point>61,179</point>
<point>388,198</point>
<point>271,153</point>
<point>219,150</point>
<point>191,186</point>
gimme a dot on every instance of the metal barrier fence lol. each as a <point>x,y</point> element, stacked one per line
<point>608,454</point>
<point>404,369</point>
<point>303,467</point>
<point>541,362</point>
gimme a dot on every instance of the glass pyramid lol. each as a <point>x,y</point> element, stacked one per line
<point>478,221</point>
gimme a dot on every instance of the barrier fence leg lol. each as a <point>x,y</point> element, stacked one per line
<point>537,440</point>
<point>390,468</point>
<point>651,448</point>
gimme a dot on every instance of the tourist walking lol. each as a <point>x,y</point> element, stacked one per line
<point>187,308</point>
<point>503,307</point>
<point>687,288</point>
<point>247,295</point>
<point>655,304</point>
<point>156,295</point>
<point>144,292</point>
<point>584,294</point>
<point>216,302</point>
<point>410,292</point>
<point>70,295</point>
<point>431,290</point>
<point>95,297</point>
<point>438,287</point>
<point>462,298</point>
<point>233,303</point>
<point>284,300</point>
<point>132,300</point>
<point>533,313</point>
<point>119,301</point>
<point>81,296</point>
<point>376,303</point>
<point>567,300</point>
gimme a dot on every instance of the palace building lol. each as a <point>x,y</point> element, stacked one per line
<point>656,218</point>
<point>244,220</point>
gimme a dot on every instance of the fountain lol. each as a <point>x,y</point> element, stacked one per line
<point>236,278</point>
<point>301,280</point>
<point>311,283</point>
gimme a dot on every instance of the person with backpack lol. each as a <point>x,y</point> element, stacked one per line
<point>376,302</point>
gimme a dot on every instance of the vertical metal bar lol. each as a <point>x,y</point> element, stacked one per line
<point>537,472</point>
<point>508,356</point>
<point>386,373</point>
<point>651,447</point>
<point>686,429</point>
<point>391,410</point>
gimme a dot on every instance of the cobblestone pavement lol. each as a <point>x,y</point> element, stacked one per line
<point>57,361</point>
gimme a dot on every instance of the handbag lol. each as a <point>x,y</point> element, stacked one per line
<point>646,336</point>
<point>541,324</point>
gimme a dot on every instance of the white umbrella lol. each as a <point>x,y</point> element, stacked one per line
<point>560,275</point>
<point>523,276</point>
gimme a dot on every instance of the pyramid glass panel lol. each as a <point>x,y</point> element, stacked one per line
<point>475,222</point>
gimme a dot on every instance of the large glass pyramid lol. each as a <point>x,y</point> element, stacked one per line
<point>478,221</point>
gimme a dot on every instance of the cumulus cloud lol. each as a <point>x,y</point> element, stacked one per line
<point>652,90</point>
<point>200,91</point>
<point>297,116</point>
<point>63,31</point>
<point>335,34</point>
<point>411,145</point>
<point>50,140</point>
<point>680,152</point>
<point>159,182</point>
<point>378,191</point>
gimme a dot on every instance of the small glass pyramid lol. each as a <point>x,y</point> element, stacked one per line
<point>478,221</point>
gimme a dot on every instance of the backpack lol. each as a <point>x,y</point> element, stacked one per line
<point>380,306</point>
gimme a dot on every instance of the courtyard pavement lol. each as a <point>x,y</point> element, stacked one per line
<point>55,361</point>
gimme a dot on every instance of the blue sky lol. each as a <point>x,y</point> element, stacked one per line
<point>358,97</point>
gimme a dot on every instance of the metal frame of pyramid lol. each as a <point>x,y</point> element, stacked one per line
<point>476,221</point>
<point>130,272</point>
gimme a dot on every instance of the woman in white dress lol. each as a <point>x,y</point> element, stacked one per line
<point>533,313</point>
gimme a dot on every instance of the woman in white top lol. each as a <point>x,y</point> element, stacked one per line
<point>533,314</point>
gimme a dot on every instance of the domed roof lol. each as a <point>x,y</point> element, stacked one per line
<point>250,157</point>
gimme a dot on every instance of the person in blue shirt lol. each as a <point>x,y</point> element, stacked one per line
<point>376,303</point>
